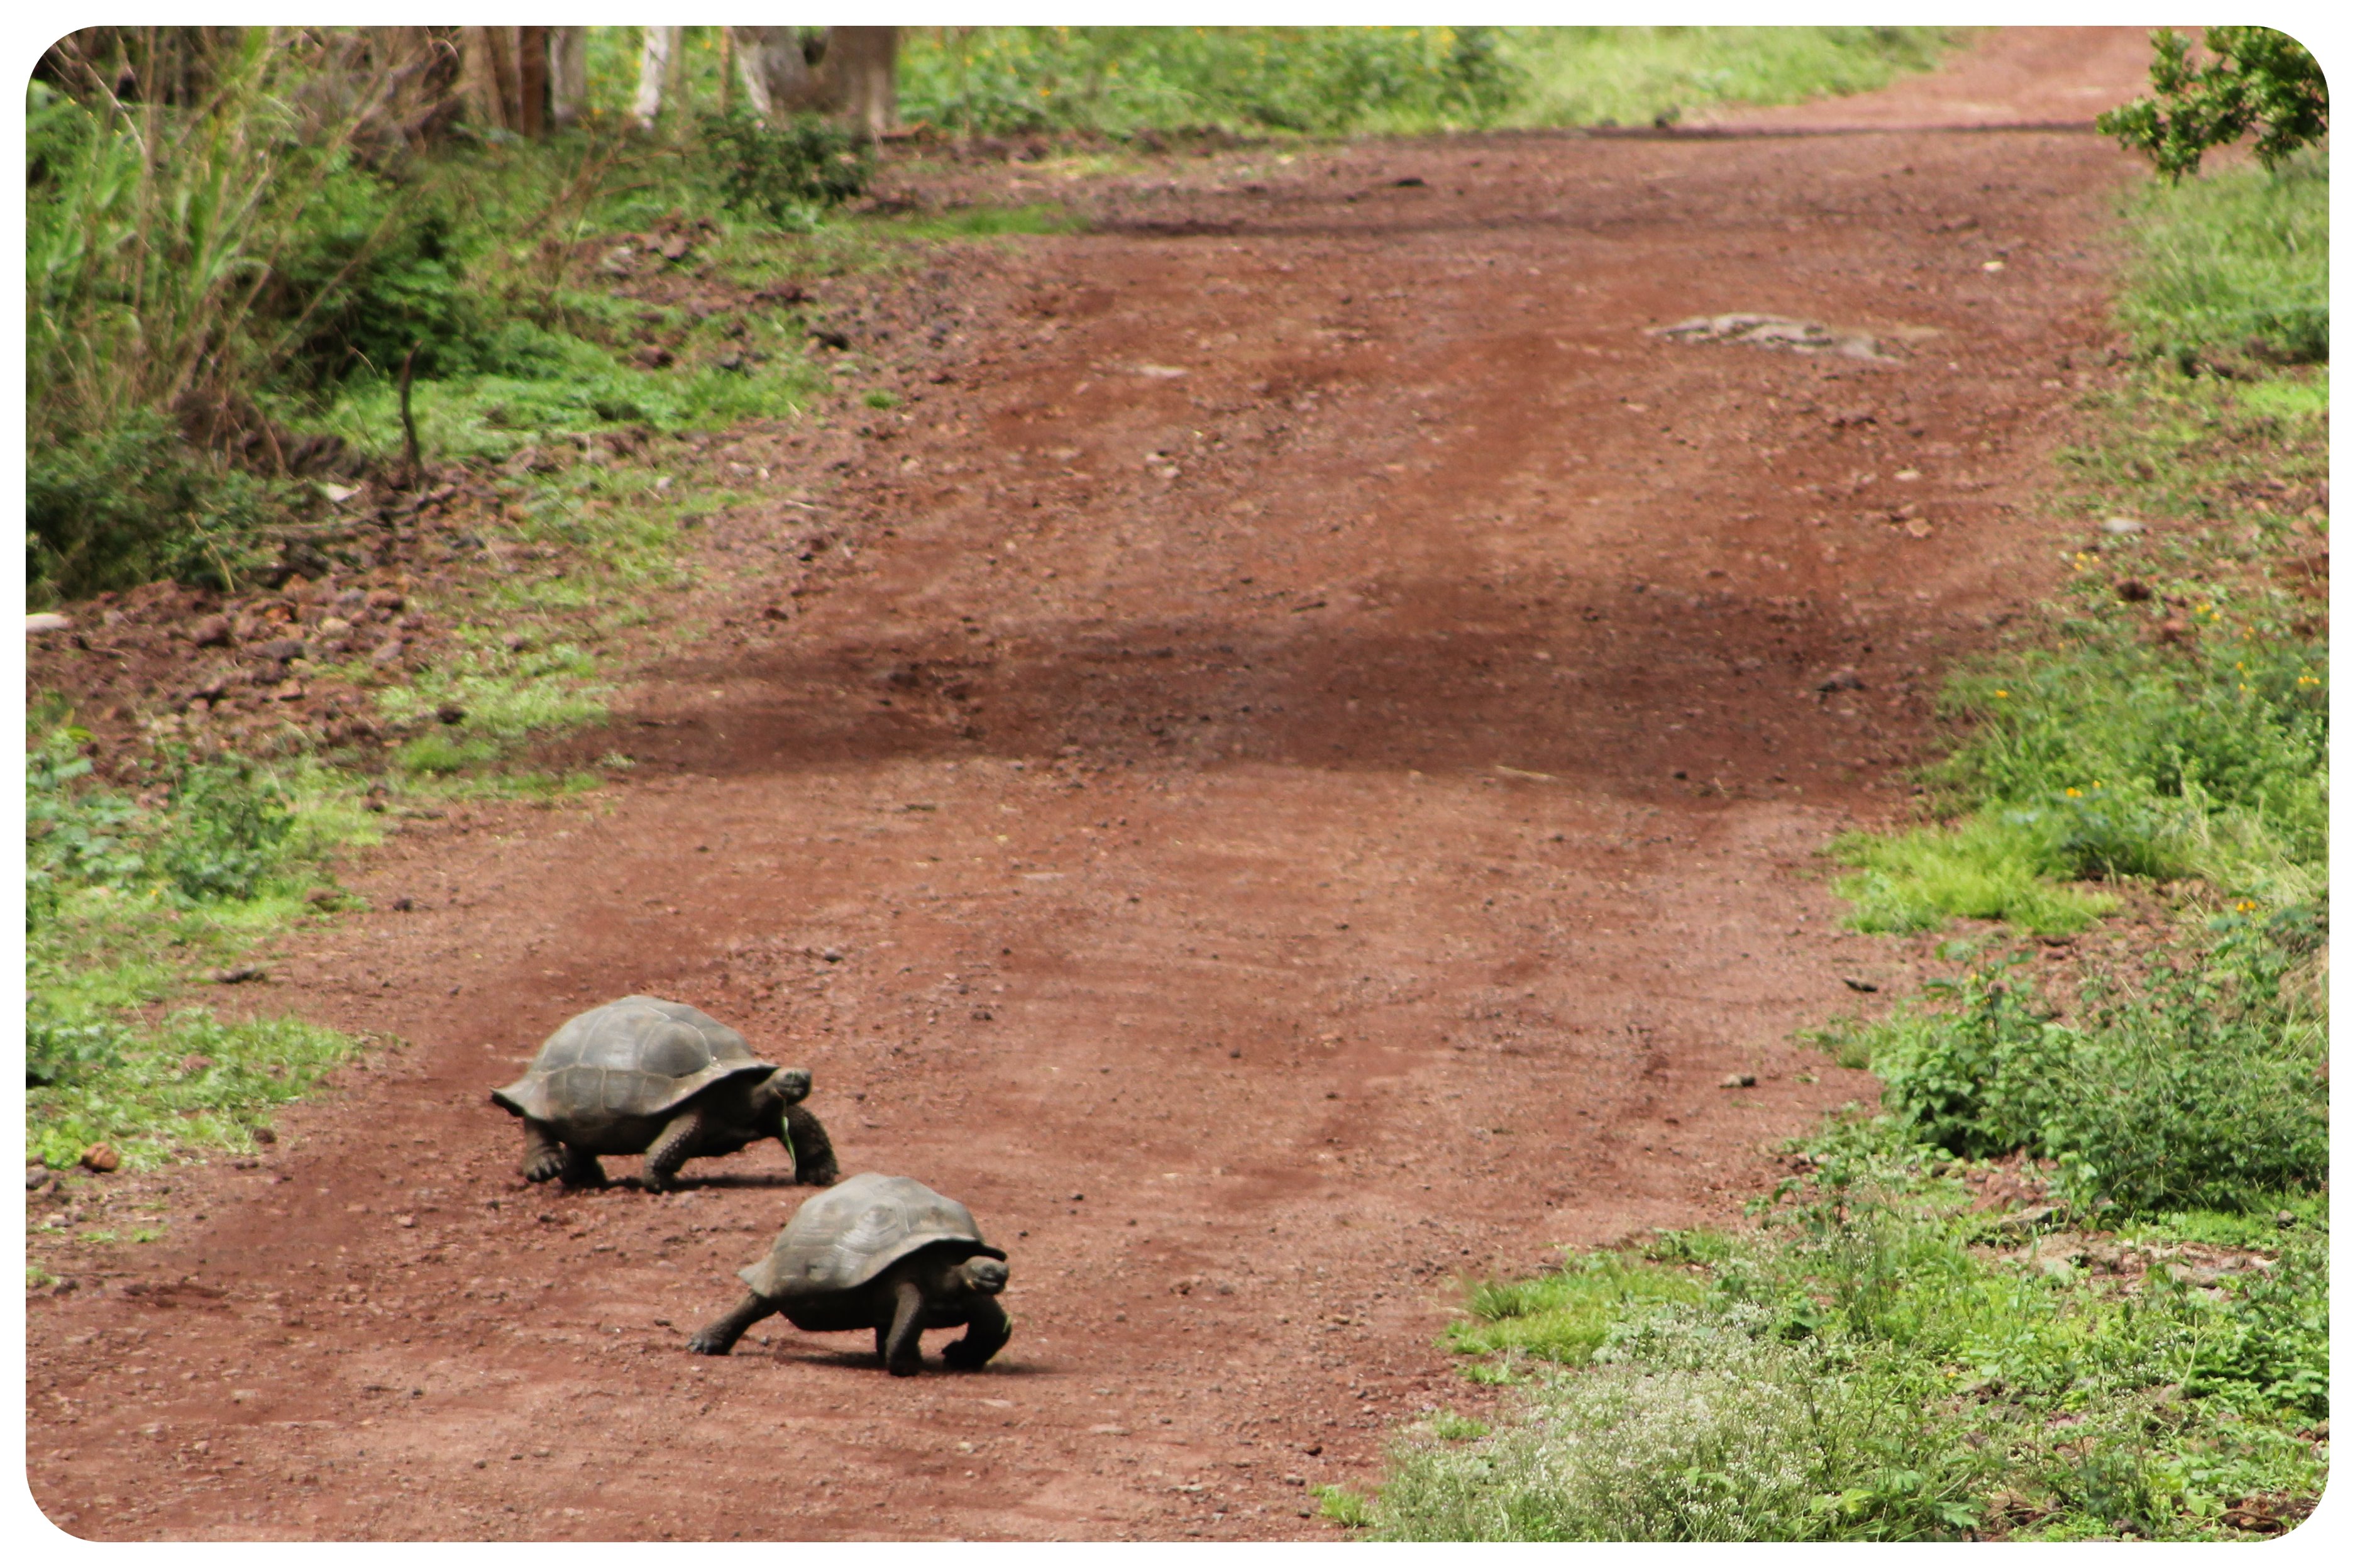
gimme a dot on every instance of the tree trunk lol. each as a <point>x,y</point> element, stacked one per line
<point>770,65</point>
<point>568,75</point>
<point>501,42</point>
<point>478,79</point>
<point>864,63</point>
<point>656,73</point>
<point>531,81</point>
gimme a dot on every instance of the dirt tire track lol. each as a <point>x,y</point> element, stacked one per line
<point>1271,837</point>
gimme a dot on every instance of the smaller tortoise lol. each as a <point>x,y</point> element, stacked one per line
<point>885,1253</point>
<point>642,1076</point>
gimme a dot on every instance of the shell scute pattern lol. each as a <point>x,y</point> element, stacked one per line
<point>844,1236</point>
<point>638,1057</point>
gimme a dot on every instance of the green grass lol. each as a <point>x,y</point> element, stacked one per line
<point>1631,76</point>
<point>194,1082</point>
<point>1134,82</point>
<point>979,223</point>
<point>2237,264</point>
<point>1990,867</point>
<point>126,903</point>
<point>1561,1316</point>
<point>1879,1363</point>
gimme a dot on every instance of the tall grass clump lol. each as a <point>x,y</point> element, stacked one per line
<point>2236,262</point>
<point>159,227</point>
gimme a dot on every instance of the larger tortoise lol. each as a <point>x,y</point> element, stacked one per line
<point>642,1076</point>
<point>885,1253</point>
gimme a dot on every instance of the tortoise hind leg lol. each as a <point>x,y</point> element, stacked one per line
<point>675,1147</point>
<point>580,1168</point>
<point>720,1336</point>
<point>813,1151</point>
<point>985,1334</point>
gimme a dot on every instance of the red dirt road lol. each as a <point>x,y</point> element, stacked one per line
<point>1294,778</point>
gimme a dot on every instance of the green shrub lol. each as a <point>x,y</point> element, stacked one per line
<point>228,831</point>
<point>369,269</point>
<point>2198,1087</point>
<point>788,173</point>
<point>2260,79</point>
<point>130,502</point>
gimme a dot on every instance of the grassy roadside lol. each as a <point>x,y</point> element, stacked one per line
<point>184,863</point>
<point>2072,1281</point>
<point>1137,83</point>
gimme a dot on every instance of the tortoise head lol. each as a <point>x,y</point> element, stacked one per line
<point>786,1086</point>
<point>984,1275</point>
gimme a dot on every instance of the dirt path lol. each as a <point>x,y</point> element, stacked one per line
<point>1301,785</point>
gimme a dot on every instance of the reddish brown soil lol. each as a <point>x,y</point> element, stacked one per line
<point>1300,788</point>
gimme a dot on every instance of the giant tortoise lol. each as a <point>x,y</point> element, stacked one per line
<point>885,1253</point>
<point>642,1076</point>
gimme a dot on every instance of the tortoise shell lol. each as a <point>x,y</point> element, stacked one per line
<point>844,1237</point>
<point>638,1058</point>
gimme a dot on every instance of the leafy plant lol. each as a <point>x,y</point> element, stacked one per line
<point>2196,1087</point>
<point>228,831</point>
<point>787,172</point>
<point>2259,78</point>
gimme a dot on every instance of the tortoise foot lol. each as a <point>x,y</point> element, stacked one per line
<point>711,1343</point>
<point>579,1170</point>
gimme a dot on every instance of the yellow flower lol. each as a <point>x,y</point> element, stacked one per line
<point>2074,790</point>
<point>2003,694</point>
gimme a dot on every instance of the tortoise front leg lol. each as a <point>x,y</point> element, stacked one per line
<point>677,1144</point>
<point>543,1153</point>
<point>813,1151</point>
<point>985,1334</point>
<point>904,1349</point>
<point>718,1336</point>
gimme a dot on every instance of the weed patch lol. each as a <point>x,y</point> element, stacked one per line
<point>1880,1362</point>
<point>124,900</point>
<point>2196,1083</point>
